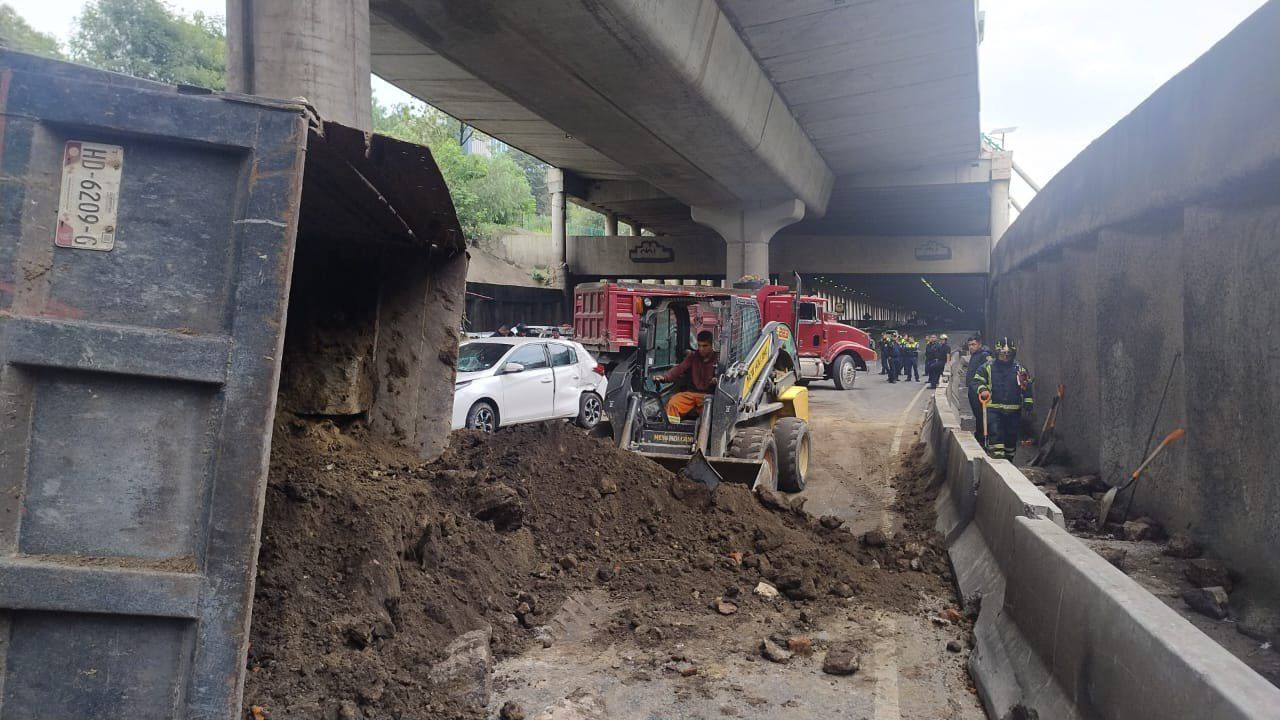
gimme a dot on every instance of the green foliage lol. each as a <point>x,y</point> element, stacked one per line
<point>147,39</point>
<point>487,191</point>
<point>17,34</point>
<point>535,171</point>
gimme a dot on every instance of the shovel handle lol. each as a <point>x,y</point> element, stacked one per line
<point>1163,444</point>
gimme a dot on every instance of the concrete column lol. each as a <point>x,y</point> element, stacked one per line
<point>559,220</point>
<point>611,224</point>
<point>637,229</point>
<point>747,232</point>
<point>317,49</point>
<point>1001,174</point>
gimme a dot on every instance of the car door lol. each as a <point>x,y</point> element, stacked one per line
<point>568,379</point>
<point>530,394</point>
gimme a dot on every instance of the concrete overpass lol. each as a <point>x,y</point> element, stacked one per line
<point>678,116</point>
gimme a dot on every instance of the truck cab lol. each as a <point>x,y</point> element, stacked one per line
<point>828,349</point>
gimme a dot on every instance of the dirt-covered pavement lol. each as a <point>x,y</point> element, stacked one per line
<point>552,574</point>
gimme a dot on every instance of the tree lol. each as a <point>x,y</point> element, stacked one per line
<point>147,39</point>
<point>17,34</point>
<point>485,190</point>
<point>535,171</point>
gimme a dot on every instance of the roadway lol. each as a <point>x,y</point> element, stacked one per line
<point>860,438</point>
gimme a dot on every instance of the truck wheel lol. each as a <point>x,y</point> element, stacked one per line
<point>791,435</point>
<point>590,410</point>
<point>482,416</point>
<point>757,443</point>
<point>844,372</point>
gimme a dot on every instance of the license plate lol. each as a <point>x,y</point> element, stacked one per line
<point>88,205</point>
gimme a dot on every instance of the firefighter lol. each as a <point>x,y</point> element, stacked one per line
<point>1006,388</point>
<point>700,366</point>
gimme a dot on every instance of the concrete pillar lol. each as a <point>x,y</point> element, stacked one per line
<point>611,224</point>
<point>559,215</point>
<point>1001,174</point>
<point>637,229</point>
<point>747,232</point>
<point>317,49</point>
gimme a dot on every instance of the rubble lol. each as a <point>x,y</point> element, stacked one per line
<point>511,711</point>
<point>774,652</point>
<point>842,659</point>
<point>1211,601</point>
<point>1114,555</point>
<point>1203,573</point>
<point>1182,546</point>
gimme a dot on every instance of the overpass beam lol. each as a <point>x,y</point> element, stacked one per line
<point>317,49</point>
<point>747,232</point>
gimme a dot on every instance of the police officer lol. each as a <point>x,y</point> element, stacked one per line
<point>978,356</point>
<point>1006,388</point>
<point>912,368</point>
<point>893,356</point>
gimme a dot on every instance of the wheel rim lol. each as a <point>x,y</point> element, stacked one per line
<point>483,420</point>
<point>592,410</point>
<point>802,457</point>
<point>847,373</point>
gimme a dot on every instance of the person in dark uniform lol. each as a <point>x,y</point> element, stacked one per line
<point>1006,388</point>
<point>883,347</point>
<point>978,355</point>
<point>912,356</point>
<point>936,358</point>
<point>893,356</point>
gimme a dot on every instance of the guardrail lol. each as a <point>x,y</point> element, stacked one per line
<point>1061,631</point>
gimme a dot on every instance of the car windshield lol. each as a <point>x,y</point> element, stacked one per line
<point>474,357</point>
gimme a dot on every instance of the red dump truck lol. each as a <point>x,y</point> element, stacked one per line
<point>606,321</point>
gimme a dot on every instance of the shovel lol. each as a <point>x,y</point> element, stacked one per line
<point>1049,434</point>
<point>1107,500</point>
<point>985,440</point>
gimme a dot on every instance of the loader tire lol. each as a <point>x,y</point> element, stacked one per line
<point>757,443</point>
<point>791,435</point>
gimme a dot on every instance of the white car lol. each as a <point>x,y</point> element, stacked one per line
<point>509,380</point>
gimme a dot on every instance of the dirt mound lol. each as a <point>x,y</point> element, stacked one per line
<point>373,562</point>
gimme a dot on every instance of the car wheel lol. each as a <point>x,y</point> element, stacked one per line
<point>792,437</point>
<point>482,416</point>
<point>590,410</point>
<point>845,373</point>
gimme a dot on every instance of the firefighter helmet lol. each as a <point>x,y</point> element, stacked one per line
<point>1005,344</point>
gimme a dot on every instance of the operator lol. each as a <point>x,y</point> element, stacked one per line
<point>700,366</point>
<point>1005,386</point>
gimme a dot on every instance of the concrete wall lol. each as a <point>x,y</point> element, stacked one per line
<point>1060,632</point>
<point>1161,239</point>
<point>693,256</point>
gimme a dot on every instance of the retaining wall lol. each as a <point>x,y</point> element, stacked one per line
<point>1161,238</point>
<point>1059,630</point>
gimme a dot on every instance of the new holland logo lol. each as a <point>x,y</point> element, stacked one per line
<point>651,251</point>
<point>933,251</point>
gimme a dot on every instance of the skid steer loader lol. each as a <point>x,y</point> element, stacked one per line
<point>753,427</point>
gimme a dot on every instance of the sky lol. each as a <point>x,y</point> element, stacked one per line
<point>1061,71</point>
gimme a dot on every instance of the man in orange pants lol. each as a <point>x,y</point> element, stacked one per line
<point>700,366</point>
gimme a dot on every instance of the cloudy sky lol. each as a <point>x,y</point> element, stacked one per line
<point>1061,71</point>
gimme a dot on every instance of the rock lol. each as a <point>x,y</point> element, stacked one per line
<point>725,607</point>
<point>604,573</point>
<point>1182,546</point>
<point>1140,529</point>
<point>772,500</point>
<point>875,538</point>
<point>500,504</point>
<point>843,590</point>
<point>467,669</point>
<point>842,659</point>
<point>1037,475</point>
<point>349,711</point>
<point>764,542</point>
<point>579,706</point>
<point>954,646</point>
<point>687,670</point>
<point>1077,507</point>
<point>800,645</point>
<point>765,590</point>
<point>1076,485</point>
<point>1211,601</point>
<point>511,711</point>
<point>1203,573</point>
<point>798,587</point>
<point>649,633</point>
<point>608,486</point>
<point>830,522</point>
<point>953,616</point>
<point>568,562</point>
<point>1115,556</point>
<point>915,564</point>
<point>772,651</point>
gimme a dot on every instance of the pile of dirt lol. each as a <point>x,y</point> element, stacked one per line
<point>373,562</point>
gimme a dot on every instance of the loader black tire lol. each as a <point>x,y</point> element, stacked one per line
<point>791,435</point>
<point>757,443</point>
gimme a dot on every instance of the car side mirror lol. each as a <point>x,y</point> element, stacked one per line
<point>512,367</point>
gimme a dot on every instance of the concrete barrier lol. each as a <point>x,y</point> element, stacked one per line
<point>1059,630</point>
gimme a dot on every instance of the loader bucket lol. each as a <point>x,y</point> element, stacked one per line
<point>699,470</point>
<point>698,467</point>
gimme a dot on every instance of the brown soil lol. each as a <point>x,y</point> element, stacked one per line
<point>372,562</point>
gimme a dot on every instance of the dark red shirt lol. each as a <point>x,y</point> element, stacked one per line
<point>701,370</point>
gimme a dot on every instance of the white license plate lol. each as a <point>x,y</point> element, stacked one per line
<point>90,196</point>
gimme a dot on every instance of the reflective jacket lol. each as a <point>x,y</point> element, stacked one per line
<point>976,361</point>
<point>1009,383</point>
